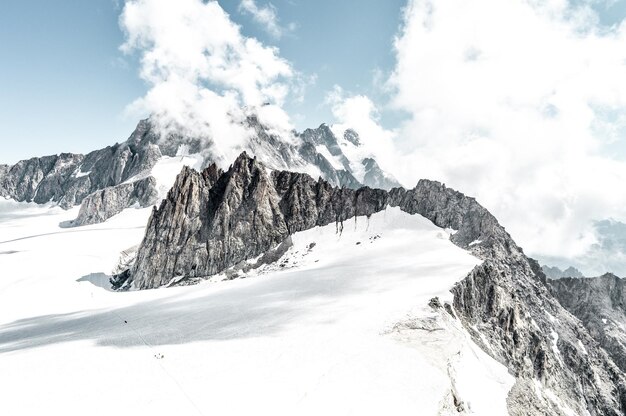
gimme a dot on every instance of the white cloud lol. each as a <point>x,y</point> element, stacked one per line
<point>203,72</point>
<point>264,15</point>
<point>513,102</point>
<point>359,113</point>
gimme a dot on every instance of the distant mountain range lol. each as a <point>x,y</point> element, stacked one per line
<point>68,179</point>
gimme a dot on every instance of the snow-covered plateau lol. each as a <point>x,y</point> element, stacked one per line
<point>341,324</point>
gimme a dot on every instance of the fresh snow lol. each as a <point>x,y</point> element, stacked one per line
<point>555,346</point>
<point>79,174</point>
<point>342,328</point>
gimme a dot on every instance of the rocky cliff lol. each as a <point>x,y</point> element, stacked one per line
<point>68,178</point>
<point>213,220</point>
<point>600,303</point>
<point>102,205</point>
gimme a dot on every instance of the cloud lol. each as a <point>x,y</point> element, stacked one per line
<point>265,16</point>
<point>202,73</point>
<point>360,113</point>
<point>515,102</point>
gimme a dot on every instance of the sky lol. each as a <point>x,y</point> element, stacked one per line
<point>521,103</point>
<point>65,83</point>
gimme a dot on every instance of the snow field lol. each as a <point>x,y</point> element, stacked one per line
<point>325,334</point>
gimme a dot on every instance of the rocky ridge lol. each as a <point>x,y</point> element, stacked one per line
<point>600,303</point>
<point>214,220</point>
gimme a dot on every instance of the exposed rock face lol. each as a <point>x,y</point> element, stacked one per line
<point>556,273</point>
<point>352,137</point>
<point>68,178</point>
<point>600,303</point>
<point>513,316</point>
<point>323,136</point>
<point>474,227</point>
<point>3,171</point>
<point>507,308</point>
<point>102,205</point>
<point>213,220</point>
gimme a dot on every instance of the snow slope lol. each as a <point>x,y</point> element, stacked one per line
<point>339,327</point>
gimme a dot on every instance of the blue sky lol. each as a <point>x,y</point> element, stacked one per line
<point>64,83</point>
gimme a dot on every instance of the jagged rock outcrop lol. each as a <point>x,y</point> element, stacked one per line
<point>370,174</point>
<point>323,136</point>
<point>473,226</point>
<point>512,315</point>
<point>104,204</point>
<point>600,303</point>
<point>556,273</point>
<point>506,306</point>
<point>214,220</point>
<point>3,171</point>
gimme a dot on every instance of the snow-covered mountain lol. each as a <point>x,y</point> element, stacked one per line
<point>70,179</point>
<point>277,290</point>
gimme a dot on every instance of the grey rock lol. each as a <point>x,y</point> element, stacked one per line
<point>374,177</point>
<point>4,169</point>
<point>600,303</point>
<point>311,138</point>
<point>474,227</point>
<point>352,136</point>
<point>506,302</point>
<point>104,204</point>
<point>213,220</point>
<point>39,179</point>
